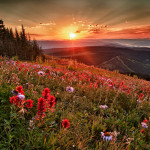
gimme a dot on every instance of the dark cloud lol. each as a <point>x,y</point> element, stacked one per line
<point>88,8</point>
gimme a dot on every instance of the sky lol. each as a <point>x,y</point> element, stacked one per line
<point>87,19</point>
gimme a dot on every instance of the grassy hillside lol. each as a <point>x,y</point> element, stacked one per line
<point>124,59</point>
<point>125,65</point>
<point>104,110</point>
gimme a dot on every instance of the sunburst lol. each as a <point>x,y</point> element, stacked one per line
<point>72,35</point>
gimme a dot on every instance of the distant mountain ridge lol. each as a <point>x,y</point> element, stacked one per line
<point>126,65</point>
<point>123,59</point>
<point>136,43</point>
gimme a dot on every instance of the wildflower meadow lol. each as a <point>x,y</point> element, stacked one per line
<point>65,105</point>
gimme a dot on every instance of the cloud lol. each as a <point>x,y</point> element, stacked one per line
<point>106,13</point>
<point>78,31</point>
<point>48,24</point>
<point>36,35</point>
<point>137,30</point>
<point>130,32</point>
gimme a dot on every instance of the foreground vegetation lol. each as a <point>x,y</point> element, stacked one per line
<point>86,107</point>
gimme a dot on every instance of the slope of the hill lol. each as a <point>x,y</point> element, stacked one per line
<point>126,65</point>
<point>75,106</point>
<point>125,59</point>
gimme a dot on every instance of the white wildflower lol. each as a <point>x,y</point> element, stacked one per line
<point>21,96</point>
<point>144,125</point>
<point>103,106</point>
<point>41,73</point>
<point>106,136</point>
<point>69,89</point>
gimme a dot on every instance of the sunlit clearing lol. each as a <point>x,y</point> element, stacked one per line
<point>72,35</point>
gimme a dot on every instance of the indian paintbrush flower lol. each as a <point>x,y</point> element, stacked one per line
<point>14,100</point>
<point>20,89</point>
<point>29,103</point>
<point>65,123</point>
<point>51,101</point>
<point>41,108</point>
<point>46,93</point>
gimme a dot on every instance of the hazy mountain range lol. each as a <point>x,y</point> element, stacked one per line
<point>95,42</point>
<point>127,56</point>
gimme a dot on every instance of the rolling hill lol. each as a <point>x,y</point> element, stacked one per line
<point>123,59</point>
<point>126,65</point>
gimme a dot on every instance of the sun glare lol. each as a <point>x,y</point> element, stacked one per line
<point>72,35</point>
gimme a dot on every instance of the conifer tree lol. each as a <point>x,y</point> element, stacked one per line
<point>18,44</point>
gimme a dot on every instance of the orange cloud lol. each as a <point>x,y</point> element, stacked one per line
<point>120,33</point>
<point>132,32</point>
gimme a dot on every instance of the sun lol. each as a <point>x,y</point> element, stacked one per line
<point>72,35</point>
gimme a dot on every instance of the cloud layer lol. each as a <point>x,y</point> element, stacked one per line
<point>89,17</point>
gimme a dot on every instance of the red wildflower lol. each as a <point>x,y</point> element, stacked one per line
<point>65,123</point>
<point>14,100</point>
<point>142,131</point>
<point>20,89</point>
<point>145,121</point>
<point>141,95</point>
<point>46,93</point>
<point>22,65</point>
<point>29,103</point>
<point>41,107</point>
<point>19,69</point>
<point>51,102</point>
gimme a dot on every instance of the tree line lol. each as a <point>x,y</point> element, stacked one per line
<point>18,44</point>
